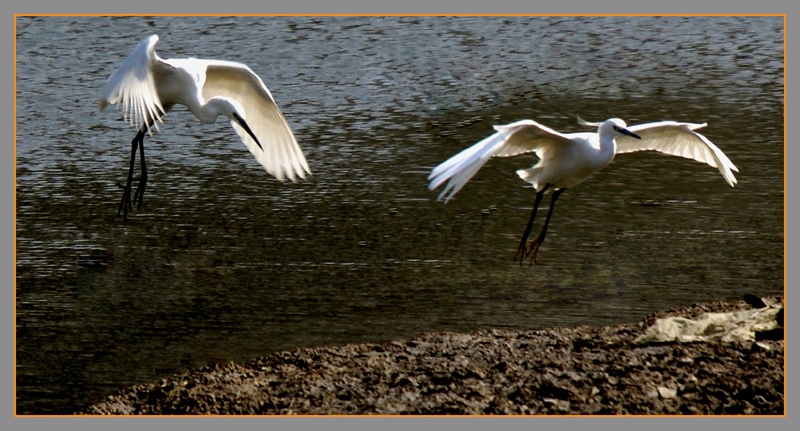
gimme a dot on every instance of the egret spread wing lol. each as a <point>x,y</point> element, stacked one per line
<point>281,155</point>
<point>510,140</point>
<point>678,139</point>
<point>133,84</point>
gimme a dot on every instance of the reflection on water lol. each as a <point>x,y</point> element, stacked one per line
<point>224,262</point>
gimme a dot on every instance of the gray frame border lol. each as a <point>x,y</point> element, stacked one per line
<point>89,7</point>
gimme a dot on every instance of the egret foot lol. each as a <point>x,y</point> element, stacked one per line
<point>522,252</point>
<point>531,250</point>
<point>125,203</point>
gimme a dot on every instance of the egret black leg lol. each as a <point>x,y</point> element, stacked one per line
<point>534,247</point>
<point>139,196</point>
<point>125,203</point>
<point>522,251</point>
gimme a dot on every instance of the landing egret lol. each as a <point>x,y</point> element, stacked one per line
<point>148,87</point>
<point>566,160</point>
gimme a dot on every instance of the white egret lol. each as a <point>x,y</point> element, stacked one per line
<point>147,87</point>
<point>566,160</point>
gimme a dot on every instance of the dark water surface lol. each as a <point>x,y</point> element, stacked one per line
<point>223,262</point>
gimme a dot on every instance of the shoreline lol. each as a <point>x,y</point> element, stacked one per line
<point>558,371</point>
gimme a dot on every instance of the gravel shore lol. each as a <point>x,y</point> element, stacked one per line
<point>559,371</point>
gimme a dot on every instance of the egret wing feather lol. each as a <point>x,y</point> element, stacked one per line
<point>280,155</point>
<point>510,140</point>
<point>133,85</point>
<point>458,170</point>
<point>529,136</point>
<point>678,139</point>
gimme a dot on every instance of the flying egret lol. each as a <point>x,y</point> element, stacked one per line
<point>566,160</point>
<point>148,87</point>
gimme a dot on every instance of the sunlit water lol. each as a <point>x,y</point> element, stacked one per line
<point>223,262</point>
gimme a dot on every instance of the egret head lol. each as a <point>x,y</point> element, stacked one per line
<point>239,119</point>
<point>233,110</point>
<point>615,126</point>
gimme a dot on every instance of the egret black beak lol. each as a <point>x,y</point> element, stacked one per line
<point>246,128</point>
<point>628,132</point>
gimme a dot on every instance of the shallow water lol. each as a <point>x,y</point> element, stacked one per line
<point>223,262</point>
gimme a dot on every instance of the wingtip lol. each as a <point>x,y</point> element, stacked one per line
<point>299,173</point>
<point>694,126</point>
<point>293,175</point>
<point>583,122</point>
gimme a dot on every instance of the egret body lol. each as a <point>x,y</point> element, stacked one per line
<point>566,160</point>
<point>148,87</point>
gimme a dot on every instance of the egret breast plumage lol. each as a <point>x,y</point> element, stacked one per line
<point>147,87</point>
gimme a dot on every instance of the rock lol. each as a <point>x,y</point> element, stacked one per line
<point>666,392</point>
<point>733,326</point>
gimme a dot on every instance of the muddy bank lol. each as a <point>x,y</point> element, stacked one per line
<point>581,370</point>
